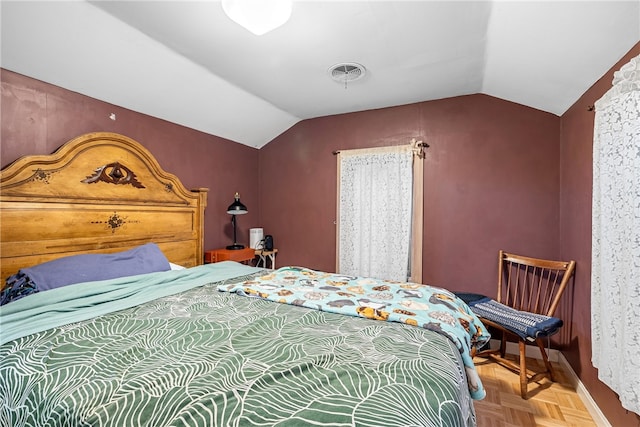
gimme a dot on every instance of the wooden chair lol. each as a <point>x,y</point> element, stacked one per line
<point>529,285</point>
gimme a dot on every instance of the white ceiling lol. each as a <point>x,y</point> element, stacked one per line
<point>186,62</point>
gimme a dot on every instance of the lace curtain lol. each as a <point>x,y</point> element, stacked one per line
<point>615,275</point>
<point>375,198</point>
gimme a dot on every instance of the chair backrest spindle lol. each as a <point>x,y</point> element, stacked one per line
<point>532,284</point>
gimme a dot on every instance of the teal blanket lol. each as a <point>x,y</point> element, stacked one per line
<point>69,304</point>
<point>414,304</point>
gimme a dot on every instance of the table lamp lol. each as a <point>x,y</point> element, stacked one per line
<point>234,209</point>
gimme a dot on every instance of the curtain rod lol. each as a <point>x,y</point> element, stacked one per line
<point>421,145</point>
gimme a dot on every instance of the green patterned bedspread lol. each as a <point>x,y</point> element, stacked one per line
<point>415,304</point>
<point>201,357</point>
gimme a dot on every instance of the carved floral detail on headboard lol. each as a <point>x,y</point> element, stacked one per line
<point>41,175</point>
<point>114,173</point>
<point>114,222</point>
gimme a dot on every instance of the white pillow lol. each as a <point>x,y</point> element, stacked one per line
<point>176,266</point>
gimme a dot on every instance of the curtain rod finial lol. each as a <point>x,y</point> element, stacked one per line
<point>418,147</point>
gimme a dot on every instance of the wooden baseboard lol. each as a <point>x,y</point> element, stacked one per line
<point>558,357</point>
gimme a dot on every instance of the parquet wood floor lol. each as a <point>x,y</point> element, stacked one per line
<point>549,405</point>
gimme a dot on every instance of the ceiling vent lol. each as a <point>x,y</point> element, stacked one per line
<point>347,72</point>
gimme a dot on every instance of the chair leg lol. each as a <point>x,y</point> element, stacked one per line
<point>503,344</point>
<point>524,380</point>
<point>520,367</point>
<point>545,358</point>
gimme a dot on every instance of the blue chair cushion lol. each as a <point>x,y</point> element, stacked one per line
<point>526,325</point>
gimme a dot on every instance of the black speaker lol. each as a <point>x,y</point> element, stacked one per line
<point>268,242</point>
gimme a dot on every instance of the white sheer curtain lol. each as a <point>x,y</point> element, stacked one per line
<point>615,275</point>
<point>374,212</point>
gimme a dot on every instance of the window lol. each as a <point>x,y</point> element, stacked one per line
<point>380,213</point>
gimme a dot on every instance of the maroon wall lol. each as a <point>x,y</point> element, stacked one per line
<point>38,117</point>
<point>575,232</point>
<point>492,177</point>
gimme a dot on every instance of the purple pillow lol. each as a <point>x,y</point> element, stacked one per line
<point>91,267</point>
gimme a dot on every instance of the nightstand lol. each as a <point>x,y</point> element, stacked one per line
<point>263,254</point>
<point>239,255</point>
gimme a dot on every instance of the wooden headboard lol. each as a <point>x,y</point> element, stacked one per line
<point>99,193</point>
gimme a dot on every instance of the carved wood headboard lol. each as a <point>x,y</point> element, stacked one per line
<point>99,193</point>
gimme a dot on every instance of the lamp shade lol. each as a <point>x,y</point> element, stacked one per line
<point>237,208</point>
<point>258,16</point>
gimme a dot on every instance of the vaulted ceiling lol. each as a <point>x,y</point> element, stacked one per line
<point>188,63</point>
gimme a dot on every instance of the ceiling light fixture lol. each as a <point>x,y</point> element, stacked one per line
<point>258,16</point>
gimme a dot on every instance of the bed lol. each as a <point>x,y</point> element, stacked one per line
<point>167,341</point>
